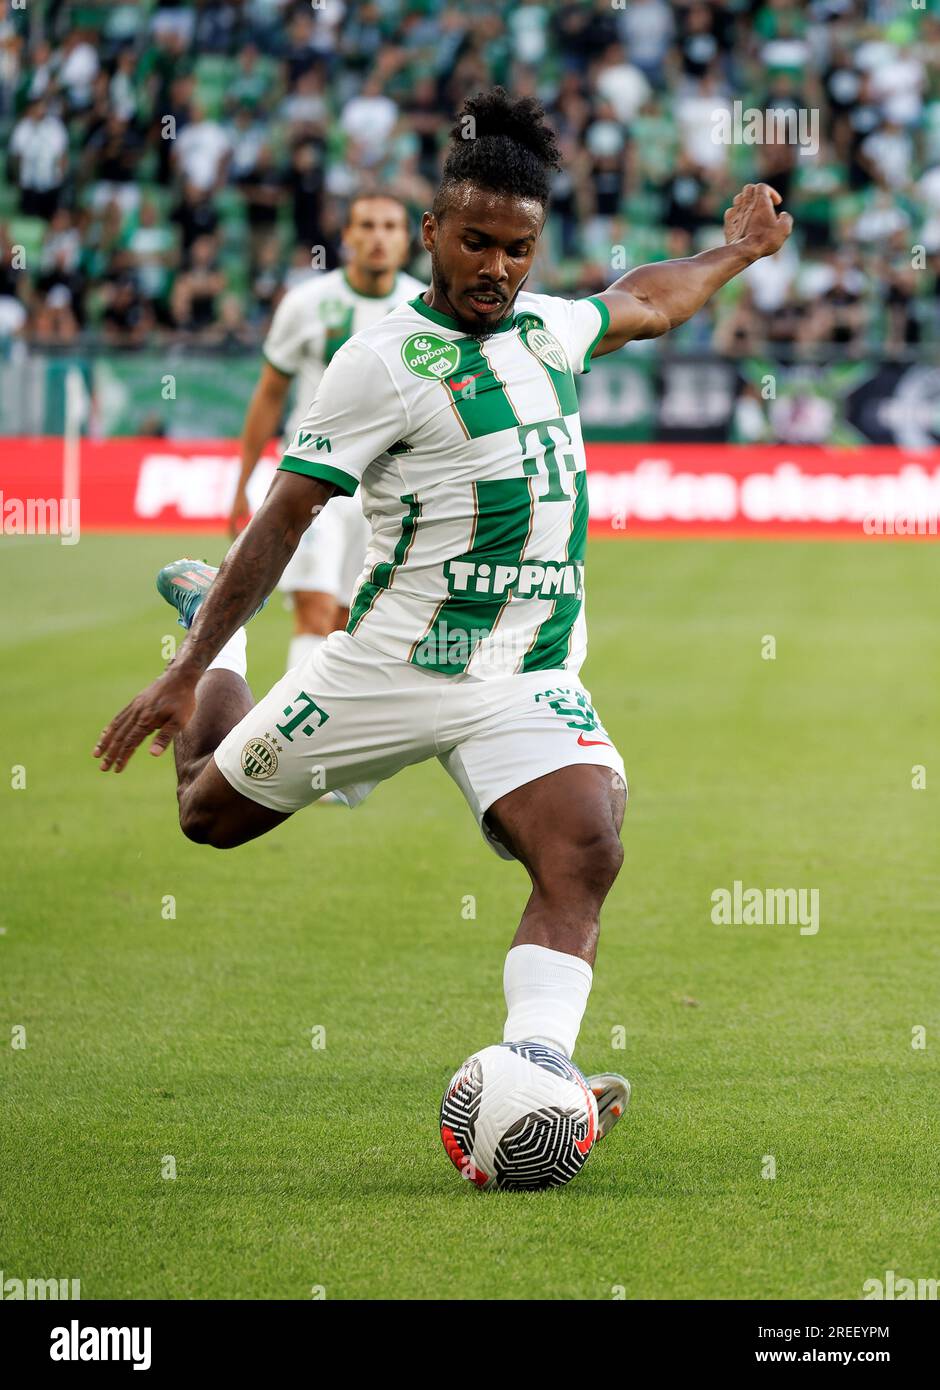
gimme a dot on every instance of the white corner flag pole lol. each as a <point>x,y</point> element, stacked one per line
<point>76,412</point>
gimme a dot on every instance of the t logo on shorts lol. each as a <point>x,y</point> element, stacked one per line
<point>303,718</point>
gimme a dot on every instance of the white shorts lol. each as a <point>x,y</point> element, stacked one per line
<point>347,717</point>
<point>329,559</point>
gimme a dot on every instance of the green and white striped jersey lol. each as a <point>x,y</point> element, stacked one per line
<point>312,322</point>
<point>471,462</point>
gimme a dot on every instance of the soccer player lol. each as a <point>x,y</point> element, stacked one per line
<point>312,322</point>
<point>457,415</point>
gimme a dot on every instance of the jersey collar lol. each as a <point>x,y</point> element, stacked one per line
<point>446,321</point>
<point>360,294</point>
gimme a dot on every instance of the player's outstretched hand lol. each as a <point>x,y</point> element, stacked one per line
<point>167,705</point>
<point>754,222</point>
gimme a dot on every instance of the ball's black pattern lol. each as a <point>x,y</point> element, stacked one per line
<point>547,1058</point>
<point>461,1106</point>
<point>540,1150</point>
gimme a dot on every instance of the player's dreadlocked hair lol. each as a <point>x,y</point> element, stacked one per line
<point>501,143</point>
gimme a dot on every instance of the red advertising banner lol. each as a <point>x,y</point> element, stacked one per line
<point>635,489</point>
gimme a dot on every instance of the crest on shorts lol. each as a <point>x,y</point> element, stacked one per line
<point>259,760</point>
<point>544,345</point>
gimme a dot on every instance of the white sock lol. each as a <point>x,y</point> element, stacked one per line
<point>546,995</point>
<point>233,656</point>
<point>302,644</point>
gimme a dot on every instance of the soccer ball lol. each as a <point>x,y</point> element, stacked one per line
<point>518,1116</point>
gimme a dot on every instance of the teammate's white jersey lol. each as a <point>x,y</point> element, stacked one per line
<point>312,322</point>
<point>471,461</point>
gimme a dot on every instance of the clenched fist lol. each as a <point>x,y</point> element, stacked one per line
<point>753,222</point>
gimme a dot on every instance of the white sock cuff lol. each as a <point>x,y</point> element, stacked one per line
<point>546,995</point>
<point>544,966</point>
<point>233,656</point>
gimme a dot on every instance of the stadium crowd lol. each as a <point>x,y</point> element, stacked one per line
<point>171,168</point>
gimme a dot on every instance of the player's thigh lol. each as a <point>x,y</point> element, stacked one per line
<point>538,768</point>
<point>316,566</point>
<point>564,824</point>
<point>316,612</point>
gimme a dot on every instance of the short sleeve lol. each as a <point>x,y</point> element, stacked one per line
<point>355,416</point>
<point>290,327</point>
<point>586,322</point>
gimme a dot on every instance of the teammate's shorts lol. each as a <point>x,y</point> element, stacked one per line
<point>347,717</point>
<point>329,559</point>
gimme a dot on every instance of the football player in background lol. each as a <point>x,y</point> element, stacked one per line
<point>311,323</point>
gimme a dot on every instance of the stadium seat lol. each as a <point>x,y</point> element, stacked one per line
<point>29,233</point>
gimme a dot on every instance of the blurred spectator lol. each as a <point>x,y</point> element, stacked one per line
<point>113,153</point>
<point>647,28</point>
<point>76,69</point>
<point>196,291</point>
<point>246,137</point>
<point>838,312</point>
<point>230,329</point>
<point>621,84</point>
<point>127,318</point>
<point>152,248</point>
<point>369,119</point>
<point>196,215</point>
<point>305,181</point>
<point>264,190</point>
<point>203,150</point>
<point>38,146</point>
<point>13,312</point>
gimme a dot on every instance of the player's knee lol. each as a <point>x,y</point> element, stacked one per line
<point>204,827</point>
<point>590,859</point>
<point>600,859</point>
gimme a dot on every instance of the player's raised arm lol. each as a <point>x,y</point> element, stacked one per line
<point>248,575</point>
<point>652,299</point>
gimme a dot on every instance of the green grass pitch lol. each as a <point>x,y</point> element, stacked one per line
<point>300,1168</point>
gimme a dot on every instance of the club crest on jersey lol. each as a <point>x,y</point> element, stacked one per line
<point>426,355</point>
<point>259,760</point>
<point>544,345</point>
<point>333,312</point>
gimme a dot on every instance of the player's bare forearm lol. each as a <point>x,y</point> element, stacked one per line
<point>248,575</point>
<point>253,566</point>
<point>261,422</point>
<point>652,299</point>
